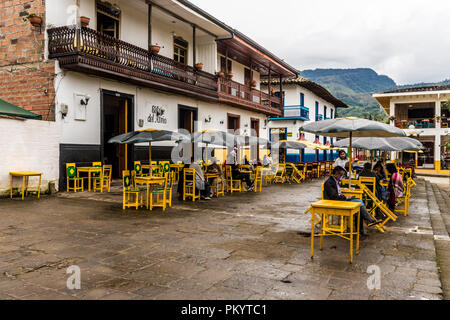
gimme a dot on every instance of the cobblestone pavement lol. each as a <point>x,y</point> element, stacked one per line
<point>245,246</point>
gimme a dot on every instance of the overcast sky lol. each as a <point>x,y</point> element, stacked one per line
<point>408,40</point>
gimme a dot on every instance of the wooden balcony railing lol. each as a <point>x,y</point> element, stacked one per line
<point>86,49</point>
<point>243,95</point>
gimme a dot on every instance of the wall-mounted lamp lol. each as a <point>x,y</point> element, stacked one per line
<point>222,122</point>
<point>85,101</point>
<point>208,120</point>
<point>64,110</point>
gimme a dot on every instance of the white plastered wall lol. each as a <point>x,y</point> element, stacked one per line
<point>29,145</point>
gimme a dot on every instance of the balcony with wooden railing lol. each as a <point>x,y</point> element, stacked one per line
<point>244,96</point>
<point>88,51</point>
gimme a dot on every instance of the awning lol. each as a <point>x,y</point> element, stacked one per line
<point>8,109</point>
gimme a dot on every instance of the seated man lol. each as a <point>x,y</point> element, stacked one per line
<point>215,168</point>
<point>245,177</point>
<point>200,183</point>
<point>333,192</point>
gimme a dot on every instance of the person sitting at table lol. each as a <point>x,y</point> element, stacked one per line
<point>342,160</point>
<point>332,191</point>
<point>216,169</point>
<point>266,162</point>
<point>395,187</point>
<point>367,172</point>
<point>200,182</point>
<point>243,176</point>
<point>379,167</point>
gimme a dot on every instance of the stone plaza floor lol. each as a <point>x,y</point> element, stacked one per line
<point>245,246</point>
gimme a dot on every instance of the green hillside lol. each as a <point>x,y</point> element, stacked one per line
<point>354,87</point>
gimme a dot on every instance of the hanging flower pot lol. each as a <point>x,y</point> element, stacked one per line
<point>199,66</point>
<point>84,21</point>
<point>221,74</point>
<point>34,19</point>
<point>253,84</point>
<point>230,75</point>
<point>155,48</point>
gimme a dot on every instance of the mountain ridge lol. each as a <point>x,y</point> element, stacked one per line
<point>355,86</point>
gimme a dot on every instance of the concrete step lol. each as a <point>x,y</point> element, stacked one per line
<point>444,205</point>
<point>439,212</point>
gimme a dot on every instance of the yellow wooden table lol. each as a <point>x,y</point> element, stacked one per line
<point>89,171</point>
<point>149,181</point>
<point>25,179</point>
<point>323,210</point>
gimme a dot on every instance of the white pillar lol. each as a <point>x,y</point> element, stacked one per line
<point>438,111</point>
<point>437,152</point>
<point>392,111</point>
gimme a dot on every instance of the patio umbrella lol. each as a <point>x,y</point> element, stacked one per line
<point>352,127</point>
<point>148,135</point>
<point>383,144</point>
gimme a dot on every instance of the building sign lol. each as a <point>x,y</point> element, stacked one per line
<point>157,115</point>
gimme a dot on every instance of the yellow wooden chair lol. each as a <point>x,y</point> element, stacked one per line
<point>138,169</point>
<point>154,169</point>
<point>280,176</point>
<point>232,184</point>
<point>164,167</point>
<point>258,179</point>
<point>219,187</point>
<point>158,197</point>
<point>176,171</point>
<point>71,170</point>
<point>189,189</point>
<point>406,196</point>
<point>296,175</point>
<point>104,181</point>
<point>132,197</point>
<point>163,195</point>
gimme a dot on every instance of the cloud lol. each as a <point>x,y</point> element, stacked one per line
<point>406,40</point>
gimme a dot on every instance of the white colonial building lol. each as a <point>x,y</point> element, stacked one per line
<point>424,113</point>
<point>110,79</point>
<point>303,101</point>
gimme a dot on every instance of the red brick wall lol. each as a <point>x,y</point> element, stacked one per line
<point>25,79</point>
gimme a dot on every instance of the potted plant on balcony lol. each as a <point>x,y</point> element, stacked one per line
<point>229,75</point>
<point>199,66</point>
<point>84,21</point>
<point>253,84</point>
<point>34,19</point>
<point>155,48</point>
<point>221,74</point>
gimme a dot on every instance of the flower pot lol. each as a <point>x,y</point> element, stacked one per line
<point>229,76</point>
<point>221,74</point>
<point>155,49</point>
<point>36,21</point>
<point>85,21</point>
<point>199,66</point>
<point>253,84</point>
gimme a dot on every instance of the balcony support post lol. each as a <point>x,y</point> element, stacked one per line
<point>194,44</point>
<point>149,4</point>
<point>281,92</point>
